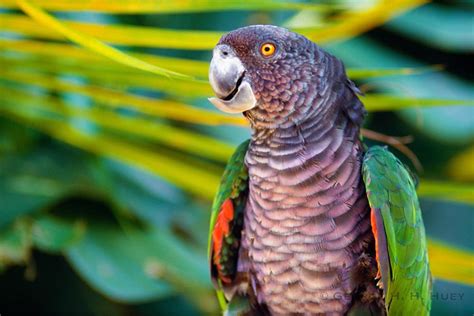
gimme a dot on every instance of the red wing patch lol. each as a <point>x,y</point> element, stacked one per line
<point>373,223</point>
<point>221,230</point>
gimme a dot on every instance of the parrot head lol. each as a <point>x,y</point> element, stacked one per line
<point>268,73</point>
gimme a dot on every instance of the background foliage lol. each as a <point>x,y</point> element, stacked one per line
<point>110,153</point>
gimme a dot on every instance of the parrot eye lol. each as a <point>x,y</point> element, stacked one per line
<point>267,49</point>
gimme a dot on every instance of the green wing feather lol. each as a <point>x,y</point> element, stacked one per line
<point>234,186</point>
<point>233,182</point>
<point>400,234</point>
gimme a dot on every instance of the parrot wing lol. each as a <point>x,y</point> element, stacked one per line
<point>227,221</point>
<point>400,241</point>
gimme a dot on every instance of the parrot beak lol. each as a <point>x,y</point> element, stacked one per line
<point>226,75</point>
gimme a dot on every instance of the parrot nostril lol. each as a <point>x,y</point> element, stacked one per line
<point>223,51</point>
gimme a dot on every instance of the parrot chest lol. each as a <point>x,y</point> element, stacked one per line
<point>306,223</point>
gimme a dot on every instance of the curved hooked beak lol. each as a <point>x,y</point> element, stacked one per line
<point>226,75</point>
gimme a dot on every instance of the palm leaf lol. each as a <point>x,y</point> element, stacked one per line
<point>354,22</point>
<point>90,42</point>
<point>180,139</point>
<point>460,167</point>
<point>382,102</point>
<point>350,23</point>
<point>450,263</point>
<point>463,192</point>
<point>181,173</point>
<point>72,54</point>
<point>355,73</point>
<point>137,6</point>
<point>117,99</point>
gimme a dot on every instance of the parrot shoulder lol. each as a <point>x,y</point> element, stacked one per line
<point>400,241</point>
<point>227,221</point>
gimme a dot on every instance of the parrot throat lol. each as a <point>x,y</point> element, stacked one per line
<point>307,217</point>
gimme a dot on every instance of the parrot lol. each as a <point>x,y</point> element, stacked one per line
<point>307,219</point>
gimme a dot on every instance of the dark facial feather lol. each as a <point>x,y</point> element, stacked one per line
<point>290,85</point>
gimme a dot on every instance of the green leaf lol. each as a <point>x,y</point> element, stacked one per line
<point>90,42</point>
<point>381,102</point>
<point>351,23</point>
<point>198,179</point>
<point>17,198</point>
<point>453,29</point>
<point>460,167</point>
<point>450,263</point>
<point>448,124</point>
<point>137,6</point>
<point>184,268</point>
<point>69,54</point>
<point>118,99</point>
<point>361,73</point>
<point>30,179</point>
<point>462,192</point>
<point>55,235</point>
<point>173,137</point>
<point>93,36</point>
<point>112,262</point>
<point>15,244</point>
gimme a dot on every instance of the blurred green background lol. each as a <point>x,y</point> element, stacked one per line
<point>109,157</point>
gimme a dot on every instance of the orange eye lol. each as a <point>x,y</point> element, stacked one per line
<point>267,49</point>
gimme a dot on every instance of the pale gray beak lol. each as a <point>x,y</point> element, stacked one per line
<point>227,78</point>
